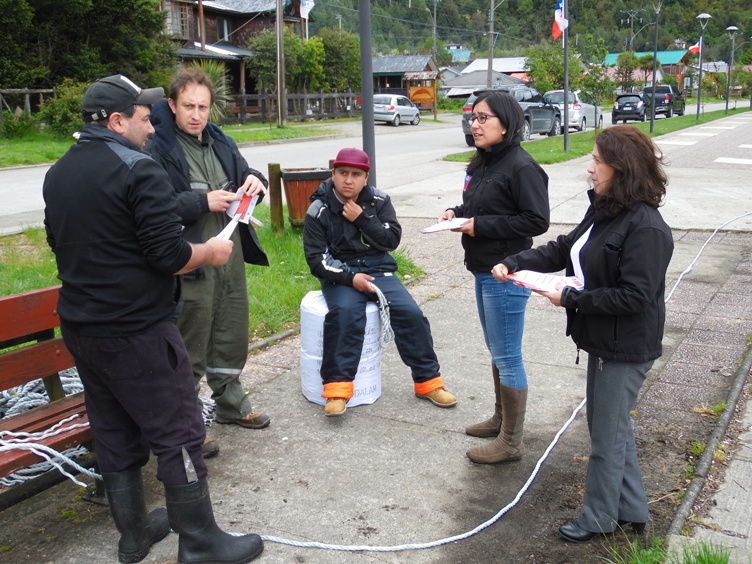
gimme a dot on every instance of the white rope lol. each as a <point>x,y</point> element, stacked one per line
<point>455,538</point>
<point>387,334</point>
<point>702,249</point>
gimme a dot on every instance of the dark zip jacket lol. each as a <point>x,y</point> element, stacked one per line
<point>166,150</point>
<point>111,220</point>
<point>508,197</point>
<point>621,313</point>
<point>336,249</point>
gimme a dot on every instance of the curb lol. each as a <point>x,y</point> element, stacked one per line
<point>706,460</point>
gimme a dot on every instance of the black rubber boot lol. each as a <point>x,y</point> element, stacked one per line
<point>201,540</point>
<point>138,531</point>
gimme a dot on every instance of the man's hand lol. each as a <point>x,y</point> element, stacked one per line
<point>252,186</point>
<point>351,211</point>
<point>219,251</point>
<point>220,200</point>
<point>361,282</point>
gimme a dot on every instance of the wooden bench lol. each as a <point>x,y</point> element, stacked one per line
<point>29,350</point>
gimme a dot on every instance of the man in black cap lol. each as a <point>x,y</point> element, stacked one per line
<point>111,220</point>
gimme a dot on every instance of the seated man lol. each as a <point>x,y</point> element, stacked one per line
<point>349,230</point>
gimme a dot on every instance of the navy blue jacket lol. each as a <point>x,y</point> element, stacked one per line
<point>336,249</point>
<point>166,150</point>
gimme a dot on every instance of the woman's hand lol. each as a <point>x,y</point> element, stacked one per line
<point>553,297</point>
<point>500,272</point>
<point>467,228</point>
<point>449,214</point>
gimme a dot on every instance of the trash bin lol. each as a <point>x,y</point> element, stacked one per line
<point>300,184</point>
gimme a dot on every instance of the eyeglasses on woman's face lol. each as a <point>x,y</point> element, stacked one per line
<point>480,118</point>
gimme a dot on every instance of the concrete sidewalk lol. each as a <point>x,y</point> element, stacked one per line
<point>390,482</point>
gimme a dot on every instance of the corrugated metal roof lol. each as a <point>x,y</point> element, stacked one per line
<point>243,6</point>
<point>466,84</point>
<point>423,75</point>
<point>401,64</point>
<point>500,64</point>
<point>665,57</point>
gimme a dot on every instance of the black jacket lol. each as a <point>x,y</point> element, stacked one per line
<point>166,150</point>
<point>508,197</point>
<point>621,312</point>
<point>112,222</point>
<point>336,249</point>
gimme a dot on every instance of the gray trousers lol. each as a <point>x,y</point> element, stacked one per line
<point>613,489</point>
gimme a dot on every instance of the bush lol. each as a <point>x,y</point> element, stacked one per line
<point>14,126</point>
<point>62,114</point>
<point>451,104</point>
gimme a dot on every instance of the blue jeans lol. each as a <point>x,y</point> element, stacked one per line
<point>501,308</point>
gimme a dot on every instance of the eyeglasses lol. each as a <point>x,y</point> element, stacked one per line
<point>480,118</point>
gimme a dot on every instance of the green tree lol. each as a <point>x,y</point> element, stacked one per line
<point>311,64</point>
<point>545,66</point>
<point>645,65</point>
<point>45,41</point>
<point>342,69</point>
<point>626,63</point>
<point>596,83</point>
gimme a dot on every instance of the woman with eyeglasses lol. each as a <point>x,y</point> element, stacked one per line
<point>505,201</point>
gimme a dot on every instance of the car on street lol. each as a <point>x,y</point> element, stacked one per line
<point>668,100</point>
<point>581,112</point>
<point>540,116</point>
<point>395,109</point>
<point>628,106</point>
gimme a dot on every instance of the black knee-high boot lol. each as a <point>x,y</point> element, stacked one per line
<point>201,540</point>
<point>138,531</point>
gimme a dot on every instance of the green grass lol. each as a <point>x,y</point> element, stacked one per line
<point>550,150</point>
<point>34,149</point>
<point>274,292</point>
<point>259,133</point>
<point>657,553</point>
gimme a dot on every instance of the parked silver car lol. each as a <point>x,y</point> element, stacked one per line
<point>582,113</point>
<point>395,109</point>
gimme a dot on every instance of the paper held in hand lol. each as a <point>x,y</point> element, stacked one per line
<point>454,223</point>
<point>240,211</point>
<point>542,282</point>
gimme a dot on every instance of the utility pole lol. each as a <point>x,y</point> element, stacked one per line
<point>657,8</point>
<point>630,18</point>
<point>491,41</point>
<point>281,94</point>
<point>366,86</point>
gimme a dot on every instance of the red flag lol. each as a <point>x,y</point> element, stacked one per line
<point>560,24</point>
<point>696,47</point>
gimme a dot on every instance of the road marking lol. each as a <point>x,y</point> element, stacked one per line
<point>698,134</point>
<point>745,146</point>
<point>716,127</point>
<point>729,160</point>
<point>676,142</point>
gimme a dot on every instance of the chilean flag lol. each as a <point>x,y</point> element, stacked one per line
<point>696,47</point>
<point>560,24</point>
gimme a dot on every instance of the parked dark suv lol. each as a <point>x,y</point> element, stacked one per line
<point>628,107</point>
<point>668,100</point>
<point>540,116</point>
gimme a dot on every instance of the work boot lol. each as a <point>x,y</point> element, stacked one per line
<point>439,397</point>
<point>210,447</point>
<point>253,420</point>
<point>335,407</point>
<point>490,427</point>
<point>201,540</point>
<point>138,531</point>
<point>508,446</point>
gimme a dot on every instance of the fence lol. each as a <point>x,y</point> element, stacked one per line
<point>15,95</point>
<point>262,107</point>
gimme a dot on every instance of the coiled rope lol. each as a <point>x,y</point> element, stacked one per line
<point>387,334</point>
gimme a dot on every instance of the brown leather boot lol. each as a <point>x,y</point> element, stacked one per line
<point>508,446</point>
<point>489,427</point>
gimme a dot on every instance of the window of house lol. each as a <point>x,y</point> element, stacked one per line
<point>224,30</point>
<point>181,17</point>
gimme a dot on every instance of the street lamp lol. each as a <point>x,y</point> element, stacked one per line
<point>704,17</point>
<point>732,29</point>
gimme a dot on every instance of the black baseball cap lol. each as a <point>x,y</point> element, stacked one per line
<point>116,93</point>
